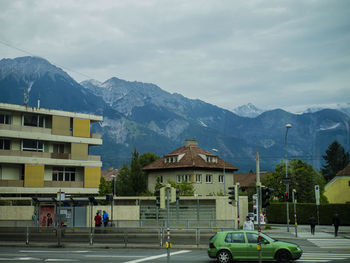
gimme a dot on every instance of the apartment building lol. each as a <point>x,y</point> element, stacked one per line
<point>45,151</point>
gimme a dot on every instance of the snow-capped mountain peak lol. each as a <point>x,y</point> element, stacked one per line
<point>247,110</point>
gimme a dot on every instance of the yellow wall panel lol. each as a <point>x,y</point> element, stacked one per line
<point>339,191</point>
<point>61,125</point>
<point>34,175</point>
<point>92,177</point>
<point>81,128</point>
<point>79,151</point>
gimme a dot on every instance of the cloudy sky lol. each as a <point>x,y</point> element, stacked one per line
<point>274,54</point>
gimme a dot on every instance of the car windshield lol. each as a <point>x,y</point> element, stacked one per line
<point>270,239</point>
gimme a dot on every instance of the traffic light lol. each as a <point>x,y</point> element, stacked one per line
<point>265,196</point>
<point>286,197</point>
<point>160,199</point>
<point>174,192</point>
<point>232,194</point>
<point>109,197</point>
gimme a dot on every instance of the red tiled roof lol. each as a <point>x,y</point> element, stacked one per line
<point>190,160</point>
<point>247,179</point>
<point>345,171</point>
<point>107,174</point>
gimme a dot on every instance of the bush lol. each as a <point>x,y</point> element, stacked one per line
<point>276,213</point>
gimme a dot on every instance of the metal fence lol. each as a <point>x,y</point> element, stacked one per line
<point>123,233</point>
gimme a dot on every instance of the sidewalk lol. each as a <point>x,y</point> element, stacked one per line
<point>304,232</point>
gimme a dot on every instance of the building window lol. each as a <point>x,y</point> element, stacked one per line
<point>5,144</point>
<point>32,145</point>
<point>161,179</point>
<point>5,118</point>
<point>211,159</point>
<point>208,178</point>
<point>349,183</point>
<point>198,178</point>
<point>183,178</point>
<point>221,178</point>
<point>63,174</point>
<point>58,148</point>
<point>170,159</point>
<point>33,120</point>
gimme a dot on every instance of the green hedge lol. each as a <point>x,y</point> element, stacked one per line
<point>276,213</point>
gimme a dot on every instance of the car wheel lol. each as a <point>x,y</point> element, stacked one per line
<point>224,256</point>
<point>283,256</point>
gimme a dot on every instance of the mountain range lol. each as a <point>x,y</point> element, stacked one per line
<point>144,116</point>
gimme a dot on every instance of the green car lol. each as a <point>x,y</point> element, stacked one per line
<point>226,246</point>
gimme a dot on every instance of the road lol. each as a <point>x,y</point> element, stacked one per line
<point>315,250</point>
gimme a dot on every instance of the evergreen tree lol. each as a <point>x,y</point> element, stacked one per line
<point>336,160</point>
<point>137,176</point>
<point>147,158</point>
<point>105,187</point>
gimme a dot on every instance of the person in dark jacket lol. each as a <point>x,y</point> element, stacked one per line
<point>336,223</point>
<point>312,222</point>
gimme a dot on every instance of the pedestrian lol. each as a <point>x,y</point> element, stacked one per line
<point>312,222</point>
<point>34,218</point>
<point>336,223</point>
<point>98,219</point>
<point>105,218</point>
<point>248,224</point>
<point>49,220</point>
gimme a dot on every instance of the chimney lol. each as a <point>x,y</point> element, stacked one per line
<point>191,142</point>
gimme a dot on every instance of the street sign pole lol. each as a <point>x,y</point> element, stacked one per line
<point>317,199</point>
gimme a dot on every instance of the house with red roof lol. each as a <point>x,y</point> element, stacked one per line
<point>205,170</point>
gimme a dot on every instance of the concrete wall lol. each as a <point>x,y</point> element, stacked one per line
<point>16,212</point>
<point>225,211</point>
<point>124,212</point>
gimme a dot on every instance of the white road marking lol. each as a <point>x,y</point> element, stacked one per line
<point>331,243</point>
<point>322,257</point>
<point>158,256</point>
<point>60,260</point>
<point>112,256</point>
<point>53,251</point>
<point>18,259</point>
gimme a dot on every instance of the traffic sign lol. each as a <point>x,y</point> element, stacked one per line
<point>317,194</point>
<point>286,180</point>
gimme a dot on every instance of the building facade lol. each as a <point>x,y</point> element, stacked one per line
<point>45,151</point>
<point>337,190</point>
<point>206,171</point>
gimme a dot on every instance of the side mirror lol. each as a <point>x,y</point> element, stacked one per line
<point>266,242</point>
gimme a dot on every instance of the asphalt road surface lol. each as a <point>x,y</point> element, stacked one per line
<point>320,250</point>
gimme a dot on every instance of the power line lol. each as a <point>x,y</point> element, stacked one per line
<point>53,62</point>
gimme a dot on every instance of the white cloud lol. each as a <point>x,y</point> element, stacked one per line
<point>228,53</point>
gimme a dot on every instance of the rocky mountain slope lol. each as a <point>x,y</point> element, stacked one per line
<point>144,116</point>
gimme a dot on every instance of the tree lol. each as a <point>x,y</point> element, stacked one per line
<point>336,160</point>
<point>303,179</point>
<point>105,187</point>
<point>185,188</point>
<point>133,181</point>
<point>123,183</point>
<point>137,176</point>
<point>147,158</point>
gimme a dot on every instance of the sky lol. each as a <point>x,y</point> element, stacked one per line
<point>275,54</point>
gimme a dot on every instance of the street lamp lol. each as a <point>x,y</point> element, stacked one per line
<point>113,193</point>
<point>216,150</point>
<point>288,126</point>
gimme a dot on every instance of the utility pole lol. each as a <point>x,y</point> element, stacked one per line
<point>258,192</point>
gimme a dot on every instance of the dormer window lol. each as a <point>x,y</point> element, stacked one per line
<point>171,159</point>
<point>212,159</point>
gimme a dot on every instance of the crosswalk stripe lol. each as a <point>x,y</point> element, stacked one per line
<point>322,257</point>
